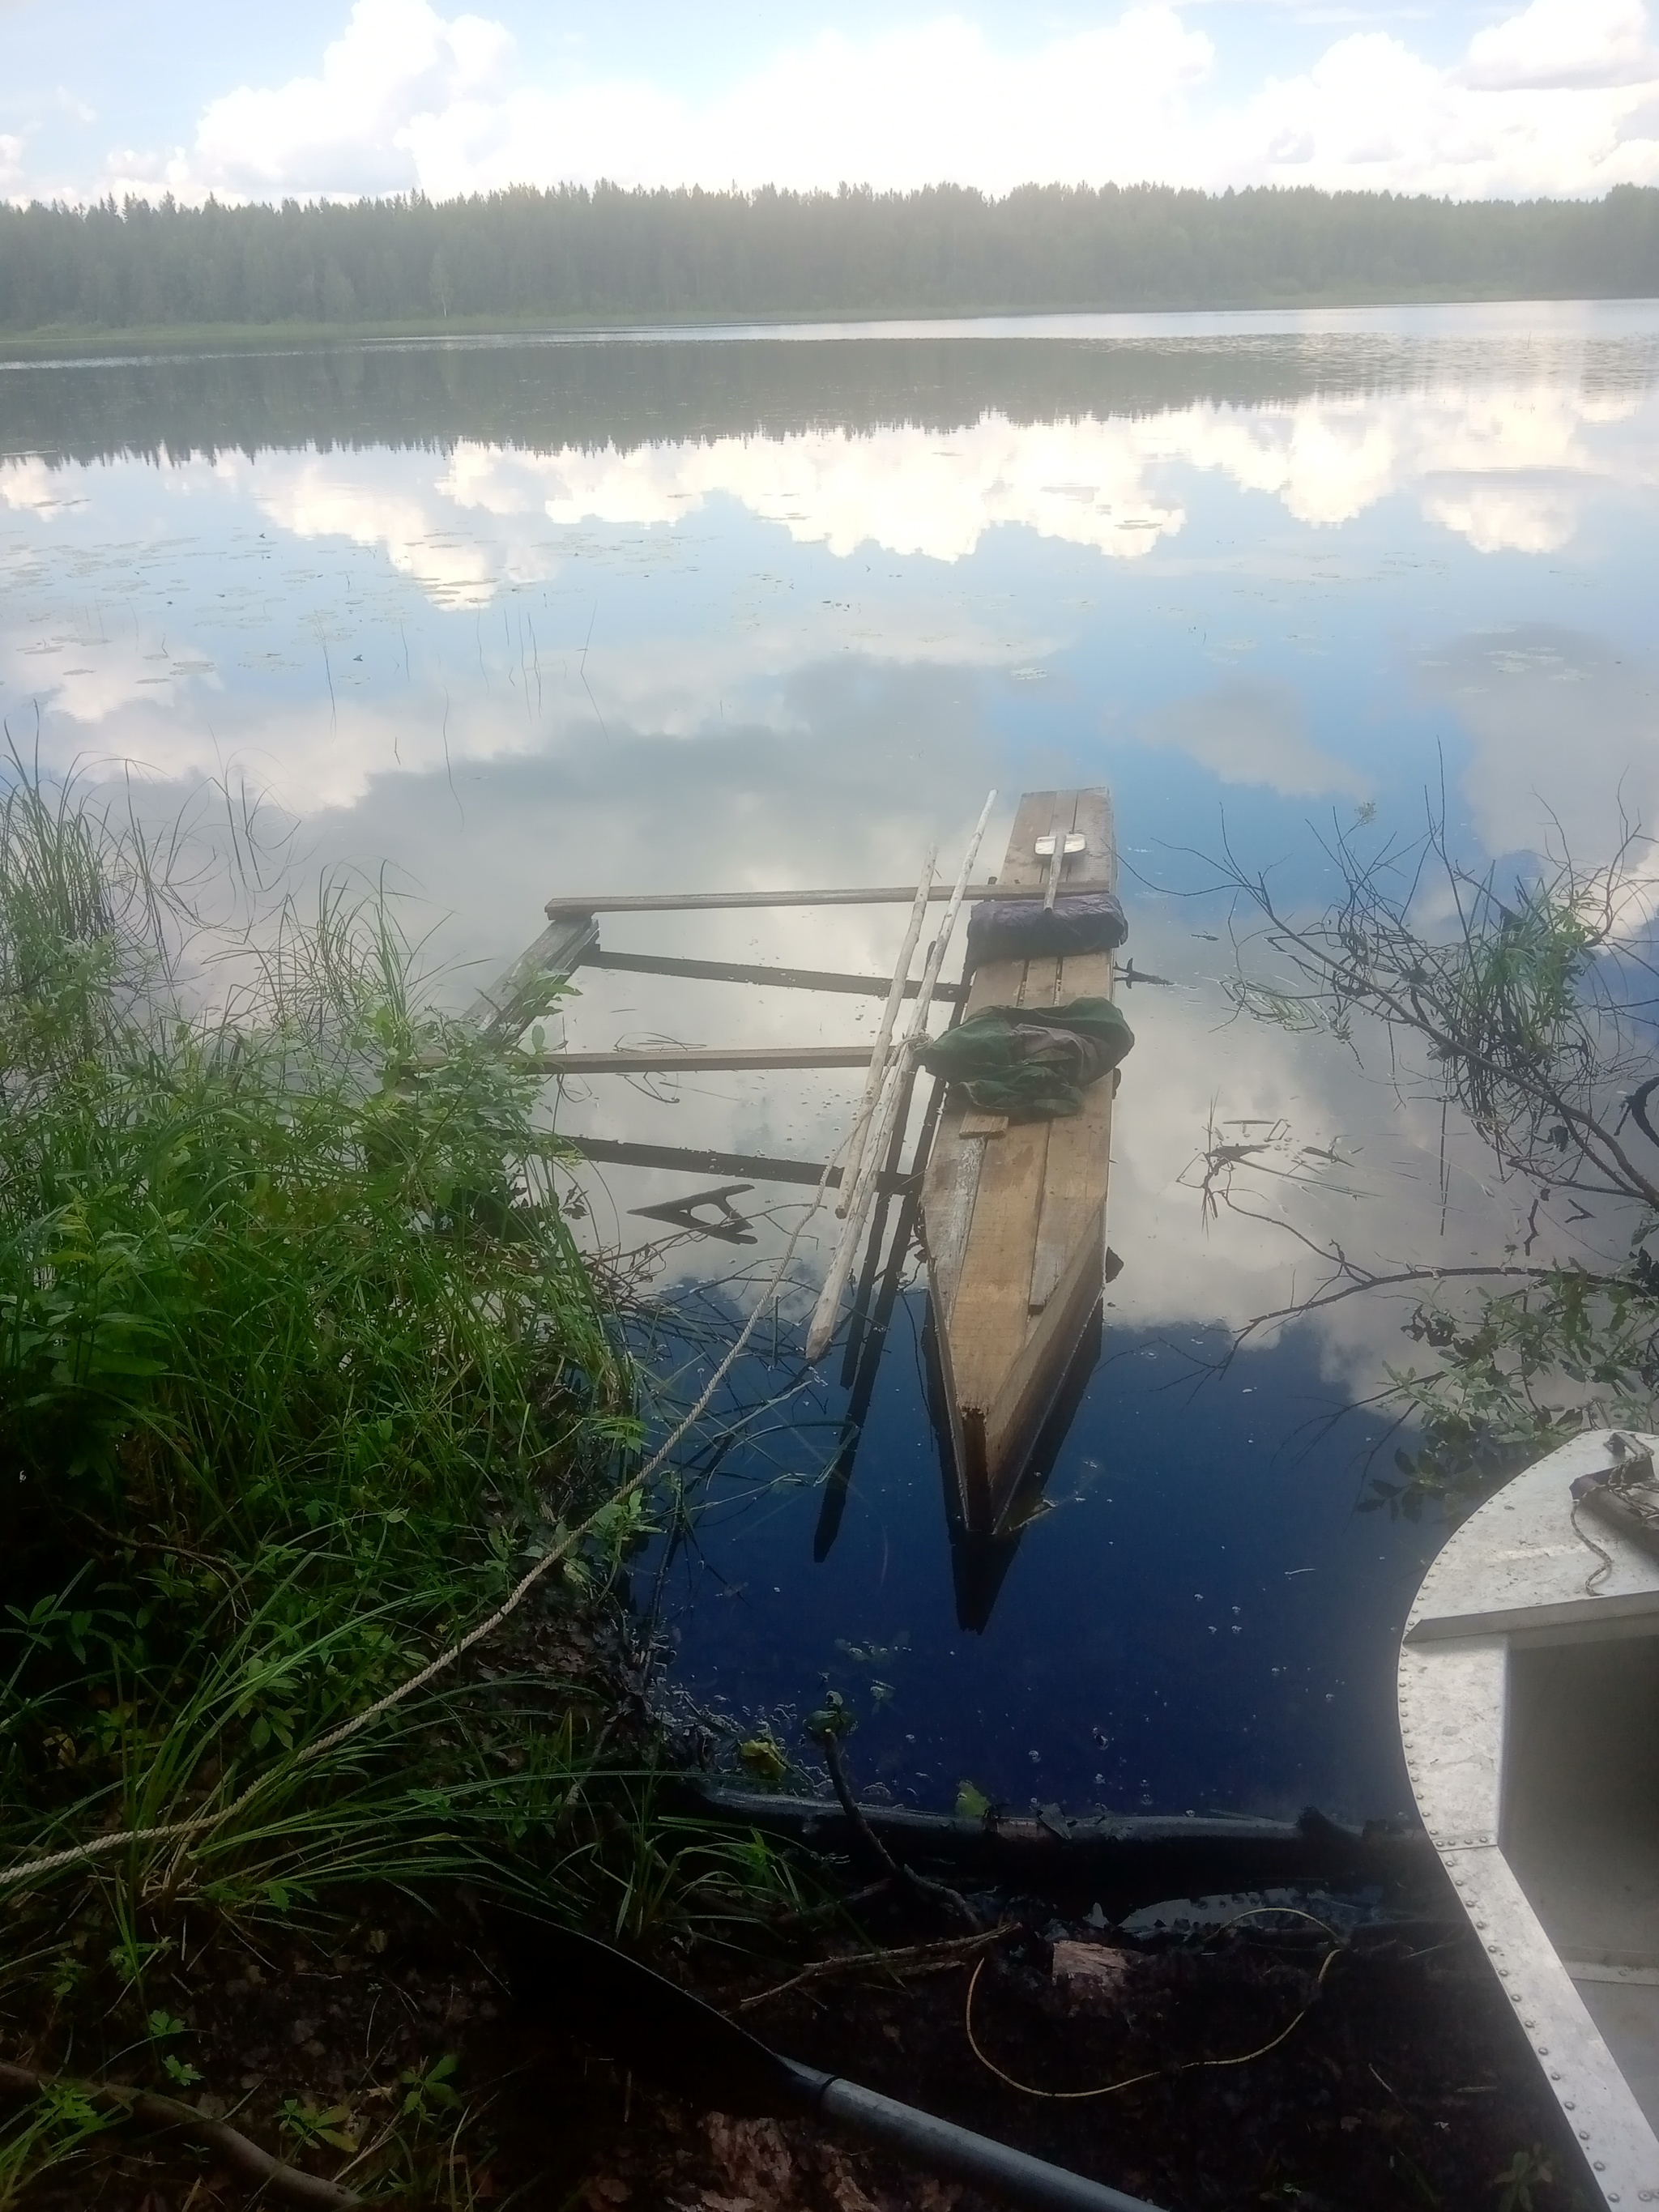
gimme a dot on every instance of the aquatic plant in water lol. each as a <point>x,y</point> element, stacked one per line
<point>1528,1014</point>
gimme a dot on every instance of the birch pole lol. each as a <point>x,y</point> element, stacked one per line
<point>849,1174</point>
<point>828,1309</point>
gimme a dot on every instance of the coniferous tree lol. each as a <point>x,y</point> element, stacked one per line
<point>584,255</point>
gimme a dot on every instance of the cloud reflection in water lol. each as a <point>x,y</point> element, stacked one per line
<point>483,620</point>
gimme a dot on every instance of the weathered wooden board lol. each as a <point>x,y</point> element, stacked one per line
<point>651,1060</point>
<point>1015,1223</point>
<point>529,987</point>
<point>686,902</point>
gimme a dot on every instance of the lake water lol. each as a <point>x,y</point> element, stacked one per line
<point>760,609</point>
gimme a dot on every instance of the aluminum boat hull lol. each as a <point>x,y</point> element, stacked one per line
<point>1529,1687</point>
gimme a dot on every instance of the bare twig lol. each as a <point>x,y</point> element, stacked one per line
<point>1515,1007</point>
<point>919,1887</point>
<point>238,2151</point>
<point>914,1957</point>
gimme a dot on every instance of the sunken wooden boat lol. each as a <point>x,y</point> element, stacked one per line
<point>1530,1713</point>
<point>1014,1212</point>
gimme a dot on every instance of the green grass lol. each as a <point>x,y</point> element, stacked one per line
<point>300,1369</point>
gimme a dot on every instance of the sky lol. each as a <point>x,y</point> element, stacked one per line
<point>319,99</point>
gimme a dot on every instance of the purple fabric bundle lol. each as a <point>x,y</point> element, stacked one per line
<point>1024,929</point>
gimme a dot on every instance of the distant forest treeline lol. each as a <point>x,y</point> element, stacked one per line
<point>577,255</point>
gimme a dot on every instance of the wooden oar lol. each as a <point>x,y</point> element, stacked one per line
<point>607,1999</point>
<point>823,1326</point>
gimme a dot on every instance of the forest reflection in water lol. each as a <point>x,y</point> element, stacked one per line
<point>526,618</point>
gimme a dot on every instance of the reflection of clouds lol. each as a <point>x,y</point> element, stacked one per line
<point>1326,461</point>
<point>1565,728</point>
<point>910,491</point>
<point>1191,1063</point>
<point>1382,1200</point>
<point>756,806</point>
<point>745,808</point>
<point>1095,483</point>
<point>308,758</point>
<point>319,496</point>
<point>1329,460</point>
<point>1504,469</point>
<point>29,485</point>
<point>1249,731</point>
<point>93,677</point>
<point>1505,518</point>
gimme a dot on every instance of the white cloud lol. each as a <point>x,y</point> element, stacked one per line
<point>905,107</point>
<point>11,163</point>
<point>347,130</point>
<point>1556,44</point>
<point>1562,97</point>
<point>1371,114</point>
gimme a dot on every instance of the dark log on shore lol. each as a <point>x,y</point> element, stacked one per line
<point>1119,1862</point>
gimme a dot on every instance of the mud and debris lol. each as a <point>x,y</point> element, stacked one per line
<point>1370,2068</point>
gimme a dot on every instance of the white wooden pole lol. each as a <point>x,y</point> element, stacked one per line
<point>828,1309</point>
<point>884,1034</point>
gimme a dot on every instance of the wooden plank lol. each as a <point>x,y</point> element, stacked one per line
<point>1037,1377</point>
<point>744,971</point>
<point>1079,1149</point>
<point>985,1125</point>
<point>528,987</point>
<point>686,1059</point>
<point>956,1160</point>
<point>686,902</point>
<point>989,1312</point>
<point>951,1185</point>
<point>759,1167</point>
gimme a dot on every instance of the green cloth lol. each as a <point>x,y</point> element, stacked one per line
<point>1032,1063</point>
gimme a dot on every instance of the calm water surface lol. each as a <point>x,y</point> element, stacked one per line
<point>778,608</point>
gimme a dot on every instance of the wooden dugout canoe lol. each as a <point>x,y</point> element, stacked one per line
<point>1014,1220</point>
<point>1529,1714</point>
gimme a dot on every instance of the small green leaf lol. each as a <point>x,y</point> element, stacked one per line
<point>764,1758</point>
